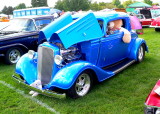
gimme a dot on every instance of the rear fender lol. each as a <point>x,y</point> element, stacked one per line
<point>134,50</point>
<point>66,77</point>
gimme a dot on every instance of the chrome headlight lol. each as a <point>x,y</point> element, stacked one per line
<point>58,59</point>
<point>31,54</point>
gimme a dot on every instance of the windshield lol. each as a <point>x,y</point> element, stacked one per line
<point>21,25</point>
<point>41,23</point>
<point>140,16</point>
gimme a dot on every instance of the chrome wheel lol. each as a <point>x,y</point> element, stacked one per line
<point>83,84</point>
<point>14,55</point>
<point>140,53</point>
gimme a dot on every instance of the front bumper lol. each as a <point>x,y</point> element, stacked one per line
<point>44,92</point>
<point>145,25</point>
<point>155,26</point>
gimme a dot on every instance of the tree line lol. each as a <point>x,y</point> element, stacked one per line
<point>35,3</point>
<point>75,5</point>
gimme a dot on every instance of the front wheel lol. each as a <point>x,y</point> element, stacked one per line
<point>13,55</point>
<point>157,29</point>
<point>141,53</point>
<point>81,86</point>
<point>150,110</point>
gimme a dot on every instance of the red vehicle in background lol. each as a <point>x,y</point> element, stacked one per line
<point>156,24</point>
<point>144,21</point>
<point>153,100</point>
<point>145,17</point>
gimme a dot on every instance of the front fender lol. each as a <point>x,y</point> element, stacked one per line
<point>66,77</point>
<point>27,68</point>
<point>134,50</point>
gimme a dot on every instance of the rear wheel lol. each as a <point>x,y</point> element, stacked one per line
<point>141,53</point>
<point>81,86</point>
<point>13,55</point>
<point>157,29</point>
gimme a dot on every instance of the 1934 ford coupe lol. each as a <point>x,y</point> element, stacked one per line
<point>78,52</point>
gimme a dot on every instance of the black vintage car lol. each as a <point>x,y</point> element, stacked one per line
<point>21,35</point>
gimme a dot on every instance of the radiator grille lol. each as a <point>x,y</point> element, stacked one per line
<point>45,64</point>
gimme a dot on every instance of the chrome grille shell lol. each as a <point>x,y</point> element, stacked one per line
<point>45,64</point>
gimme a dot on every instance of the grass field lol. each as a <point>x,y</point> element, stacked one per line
<point>125,93</point>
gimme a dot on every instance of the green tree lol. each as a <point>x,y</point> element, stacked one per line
<point>67,5</point>
<point>110,6</point>
<point>59,5</point>
<point>102,5</point>
<point>120,6</point>
<point>157,4</point>
<point>128,2</point>
<point>20,6</point>
<point>7,10</point>
<point>148,2</point>
<point>73,5</point>
<point>10,10</point>
<point>38,3</point>
<point>4,10</point>
<point>94,6</point>
<point>117,3</point>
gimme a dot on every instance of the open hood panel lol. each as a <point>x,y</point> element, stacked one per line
<point>57,24</point>
<point>83,29</point>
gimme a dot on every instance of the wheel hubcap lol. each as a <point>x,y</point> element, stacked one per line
<point>14,56</point>
<point>83,84</point>
<point>140,55</point>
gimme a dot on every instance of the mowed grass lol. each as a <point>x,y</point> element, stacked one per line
<point>124,93</point>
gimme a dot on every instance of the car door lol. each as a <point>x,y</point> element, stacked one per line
<point>112,49</point>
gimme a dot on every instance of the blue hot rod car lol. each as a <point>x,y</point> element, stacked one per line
<point>21,35</point>
<point>78,52</point>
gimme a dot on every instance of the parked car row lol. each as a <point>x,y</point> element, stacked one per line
<point>149,22</point>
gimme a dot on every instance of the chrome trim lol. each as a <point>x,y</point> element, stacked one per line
<point>145,25</point>
<point>44,92</point>
<point>35,24</point>
<point>17,44</point>
<point>123,67</point>
<point>155,26</point>
<point>45,64</point>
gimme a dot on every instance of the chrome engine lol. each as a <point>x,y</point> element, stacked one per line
<point>69,55</point>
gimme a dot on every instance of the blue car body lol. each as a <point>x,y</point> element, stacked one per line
<point>90,48</point>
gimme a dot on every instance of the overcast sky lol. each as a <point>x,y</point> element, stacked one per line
<point>51,3</point>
